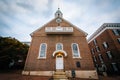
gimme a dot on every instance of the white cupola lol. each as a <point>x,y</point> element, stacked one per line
<point>58,13</point>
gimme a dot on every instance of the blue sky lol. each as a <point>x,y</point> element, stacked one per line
<point>19,18</point>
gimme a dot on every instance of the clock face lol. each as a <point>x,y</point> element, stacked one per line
<point>58,20</point>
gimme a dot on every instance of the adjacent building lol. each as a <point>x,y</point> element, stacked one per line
<point>105,49</point>
<point>28,43</point>
<point>59,49</point>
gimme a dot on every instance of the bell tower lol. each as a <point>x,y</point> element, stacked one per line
<point>58,13</point>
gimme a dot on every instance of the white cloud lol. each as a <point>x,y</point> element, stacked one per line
<point>25,16</point>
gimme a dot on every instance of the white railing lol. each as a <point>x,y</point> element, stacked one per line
<point>59,29</point>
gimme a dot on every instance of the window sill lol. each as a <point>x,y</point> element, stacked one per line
<point>77,57</point>
<point>41,58</point>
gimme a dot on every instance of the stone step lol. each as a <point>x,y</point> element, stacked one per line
<point>60,76</point>
<point>60,79</point>
<point>60,73</point>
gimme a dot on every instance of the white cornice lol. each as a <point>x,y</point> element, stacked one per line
<point>42,27</point>
<point>104,27</point>
<point>76,27</point>
<point>65,21</point>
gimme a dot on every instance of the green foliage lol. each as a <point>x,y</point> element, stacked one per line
<point>11,49</point>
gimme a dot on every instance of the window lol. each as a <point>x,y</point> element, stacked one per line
<point>101,58</point>
<point>116,32</point>
<point>114,65</point>
<point>42,50</point>
<point>92,51</point>
<point>118,40</point>
<point>95,42</point>
<point>105,45</point>
<point>96,65</point>
<point>109,54</point>
<point>94,58</point>
<point>75,50</point>
<point>78,64</point>
<point>97,49</point>
<point>104,68</point>
<point>59,46</point>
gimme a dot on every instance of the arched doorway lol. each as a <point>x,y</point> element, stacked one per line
<point>59,59</point>
<point>59,62</point>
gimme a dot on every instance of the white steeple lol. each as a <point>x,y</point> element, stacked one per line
<point>58,13</point>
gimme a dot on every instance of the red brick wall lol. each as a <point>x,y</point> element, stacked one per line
<point>114,47</point>
<point>32,63</point>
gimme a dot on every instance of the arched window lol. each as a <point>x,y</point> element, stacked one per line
<point>59,46</point>
<point>42,50</point>
<point>75,50</point>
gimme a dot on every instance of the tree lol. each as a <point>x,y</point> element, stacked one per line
<point>12,53</point>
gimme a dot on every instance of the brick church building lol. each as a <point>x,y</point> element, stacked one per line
<point>59,49</point>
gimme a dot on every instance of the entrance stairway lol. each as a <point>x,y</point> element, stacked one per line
<point>59,75</point>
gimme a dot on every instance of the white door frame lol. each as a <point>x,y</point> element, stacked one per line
<point>59,62</point>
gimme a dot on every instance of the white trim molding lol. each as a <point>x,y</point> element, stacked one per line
<point>60,44</point>
<point>61,51</point>
<point>104,27</point>
<point>73,51</point>
<point>40,51</point>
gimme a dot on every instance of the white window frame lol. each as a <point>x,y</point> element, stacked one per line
<point>105,45</point>
<point>60,44</point>
<point>96,65</point>
<point>40,51</point>
<point>73,51</point>
<point>95,42</point>
<point>97,49</point>
<point>114,66</point>
<point>100,57</point>
<point>118,40</point>
<point>116,32</point>
<point>109,54</point>
<point>92,50</point>
<point>104,67</point>
<point>94,57</point>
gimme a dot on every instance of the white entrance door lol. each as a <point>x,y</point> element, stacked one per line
<point>59,62</point>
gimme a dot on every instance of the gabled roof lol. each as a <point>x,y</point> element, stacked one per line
<point>65,21</point>
<point>59,14</point>
<point>76,27</point>
<point>41,27</point>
